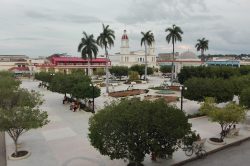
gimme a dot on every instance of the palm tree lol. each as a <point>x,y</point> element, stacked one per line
<point>146,40</point>
<point>202,46</point>
<point>174,35</point>
<point>106,40</point>
<point>88,48</point>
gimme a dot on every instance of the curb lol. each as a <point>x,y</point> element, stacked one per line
<point>212,151</point>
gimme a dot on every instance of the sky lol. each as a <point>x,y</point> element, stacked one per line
<point>42,28</point>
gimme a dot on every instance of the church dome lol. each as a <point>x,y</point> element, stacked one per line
<point>187,55</point>
<point>124,36</point>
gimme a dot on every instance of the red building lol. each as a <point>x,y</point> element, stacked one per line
<point>66,64</point>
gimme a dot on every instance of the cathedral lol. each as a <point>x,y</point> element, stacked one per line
<point>129,58</point>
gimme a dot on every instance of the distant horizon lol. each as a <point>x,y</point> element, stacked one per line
<point>36,28</point>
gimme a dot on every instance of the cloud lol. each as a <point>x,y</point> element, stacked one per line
<point>21,38</point>
<point>49,15</point>
<point>169,10</point>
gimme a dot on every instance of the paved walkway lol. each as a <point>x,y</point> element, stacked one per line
<point>2,149</point>
<point>235,155</point>
<point>64,141</point>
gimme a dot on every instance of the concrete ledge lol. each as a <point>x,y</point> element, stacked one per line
<point>19,158</point>
<point>212,151</point>
<point>216,143</point>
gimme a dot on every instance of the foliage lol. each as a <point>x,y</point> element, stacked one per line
<point>147,40</point>
<point>61,83</point>
<point>199,88</point>
<point>119,71</point>
<point>19,112</point>
<point>240,83</point>
<point>130,129</point>
<point>83,90</point>
<point>99,72</point>
<point>88,48</point>
<point>75,71</point>
<point>174,35</point>
<point>133,75</point>
<point>106,40</point>
<point>245,97</point>
<point>45,77</point>
<point>202,46</point>
<point>140,69</point>
<point>224,72</point>
<point>227,116</point>
<point>165,69</point>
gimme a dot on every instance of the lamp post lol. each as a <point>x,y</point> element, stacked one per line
<point>182,88</point>
<point>93,95</point>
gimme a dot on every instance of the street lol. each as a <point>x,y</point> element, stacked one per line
<point>2,150</point>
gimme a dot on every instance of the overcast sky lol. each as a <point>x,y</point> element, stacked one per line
<point>43,27</point>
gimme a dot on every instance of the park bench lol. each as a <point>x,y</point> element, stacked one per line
<point>143,82</point>
<point>200,143</point>
<point>233,132</point>
<point>133,83</point>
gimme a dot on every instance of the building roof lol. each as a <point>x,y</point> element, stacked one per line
<point>187,55</point>
<point>76,59</point>
<point>124,36</point>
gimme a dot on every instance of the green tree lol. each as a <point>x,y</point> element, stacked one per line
<point>60,83</point>
<point>106,41</point>
<point>199,88</point>
<point>84,90</point>
<point>119,71</point>
<point>227,116</point>
<point>131,128</point>
<point>147,40</point>
<point>165,69</point>
<point>202,46</point>
<point>141,69</point>
<point>20,112</point>
<point>133,76</point>
<point>99,72</point>
<point>88,48</point>
<point>174,35</point>
<point>245,97</point>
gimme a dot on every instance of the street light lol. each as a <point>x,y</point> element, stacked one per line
<point>93,93</point>
<point>182,88</point>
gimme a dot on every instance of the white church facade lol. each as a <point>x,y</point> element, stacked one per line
<point>129,58</point>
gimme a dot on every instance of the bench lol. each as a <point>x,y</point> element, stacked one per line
<point>143,82</point>
<point>233,132</point>
<point>133,83</point>
<point>200,143</point>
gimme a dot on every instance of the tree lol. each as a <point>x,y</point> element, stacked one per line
<point>60,83</point>
<point>165,69</point>
<point>20,112</point>
<point>141,69</point>
<point>106,41</point>
<point>174,35</point>
<point>119,71</point>
<point>88,48</point>
<point>99,72</point>
<point>200,88</point>
<point>202,46</point>
<point>245,97</point>
<point>133,75</point>
<point>146,40</point>
<point>227,116</point>
<point>131,128</point>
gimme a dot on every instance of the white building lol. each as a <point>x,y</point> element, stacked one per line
<point>129,58</point>
<point>187,58</point>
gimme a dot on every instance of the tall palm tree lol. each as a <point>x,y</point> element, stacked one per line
<point>88,48</point>
<point>146,40</point>
<point>106,40</point>
<point>202,46</point>
<point>174,35</point>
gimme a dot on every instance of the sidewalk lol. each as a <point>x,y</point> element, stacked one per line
<point>64,141</point>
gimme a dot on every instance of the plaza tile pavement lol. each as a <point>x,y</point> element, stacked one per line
<point>64,141</point>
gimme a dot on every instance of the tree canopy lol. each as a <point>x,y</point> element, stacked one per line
<point>200,88</point>
<point>140,69</point>
<point>131,128</point>
<point>19,110</point>
<point>119,71</point>
<point>227,116</point>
